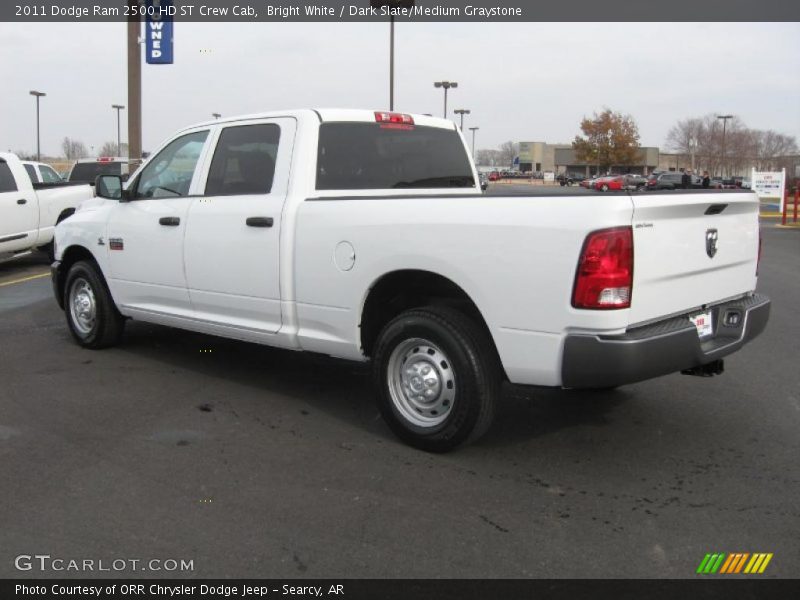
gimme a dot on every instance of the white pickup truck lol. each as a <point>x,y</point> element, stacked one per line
<point>364,235</point>
<point>29,211</point>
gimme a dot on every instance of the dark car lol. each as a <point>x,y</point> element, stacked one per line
<point>717,183</point>
<point>86,170</point>
<point>634,182</point>
<point>569,178</point>
<point>671,180</point>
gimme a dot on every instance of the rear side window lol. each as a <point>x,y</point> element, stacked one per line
<point>31,173</point>
<point>363,156</point>
<point>88,171</point>
<point>49,175</point>
<point>244,160</point>
<point>7,183</point>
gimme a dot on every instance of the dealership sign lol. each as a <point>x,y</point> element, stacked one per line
<point>769,184</point>
<point>158,32</point>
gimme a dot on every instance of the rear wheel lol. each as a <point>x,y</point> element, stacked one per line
<point>436,377</point>
<point>92,317</point>
<point>604,188</point>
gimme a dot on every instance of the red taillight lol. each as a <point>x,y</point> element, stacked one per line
<point>396,118</point>
<point>604,279</point>
<point>105,159</point>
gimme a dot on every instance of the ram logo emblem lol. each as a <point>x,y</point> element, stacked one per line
<point>712,235</point>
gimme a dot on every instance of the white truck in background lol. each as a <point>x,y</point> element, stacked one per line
<point>364,235</point>
<point>29,211</point>
<point>41,172</point>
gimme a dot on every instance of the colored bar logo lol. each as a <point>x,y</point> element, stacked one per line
<point>734,563</point>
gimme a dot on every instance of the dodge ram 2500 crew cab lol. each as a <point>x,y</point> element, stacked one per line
<point>30,210</point>
<point>364,235</point>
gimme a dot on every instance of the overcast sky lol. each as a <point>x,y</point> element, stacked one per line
<point>527,81</point>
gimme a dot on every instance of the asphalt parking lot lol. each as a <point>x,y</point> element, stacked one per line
<point>254,462</point>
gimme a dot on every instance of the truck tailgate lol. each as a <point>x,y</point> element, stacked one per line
<point>691,249</point>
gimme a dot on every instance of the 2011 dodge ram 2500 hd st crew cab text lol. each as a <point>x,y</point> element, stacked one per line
<point>30,210</point>
<point>364,235</point>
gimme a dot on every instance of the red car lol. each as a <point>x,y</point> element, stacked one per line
<point>613,182</point>
<point>494,176</point>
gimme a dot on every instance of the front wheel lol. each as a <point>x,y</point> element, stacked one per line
<point>437,378</point>
<point>92,316</point>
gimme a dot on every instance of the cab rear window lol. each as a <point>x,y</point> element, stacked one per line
<point>363,156</point>
<point>89,171</point>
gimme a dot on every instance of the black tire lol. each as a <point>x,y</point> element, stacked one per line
<point>468,378</point>
<point>105,329</point>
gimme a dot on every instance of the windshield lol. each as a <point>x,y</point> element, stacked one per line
<point>361,156</point>
<point>89,171</point>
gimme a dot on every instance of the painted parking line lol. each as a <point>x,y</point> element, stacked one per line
<point>24,279</point>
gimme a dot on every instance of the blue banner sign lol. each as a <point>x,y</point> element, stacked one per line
<point>158,31</point>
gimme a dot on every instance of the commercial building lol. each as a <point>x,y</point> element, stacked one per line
<point>647,161</point>
<point>538,156</point>
<point>560,158</point>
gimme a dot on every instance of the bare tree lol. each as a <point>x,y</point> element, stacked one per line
<point>73,149</point>
<point>507,152</point>
<point>736,150</point>
<point>771,147</point>
<point>487,157</point>
<point>25,155</point>
<point>108,149</point>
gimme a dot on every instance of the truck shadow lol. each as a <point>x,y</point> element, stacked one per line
<point>342,389</point>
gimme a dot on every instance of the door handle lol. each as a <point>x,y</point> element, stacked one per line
<point>22,201</point>
<point>169,221</point>
<point>259,221</point>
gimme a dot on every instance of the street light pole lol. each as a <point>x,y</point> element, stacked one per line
<point>391,5</point>
<point>118,107</point>
<point>446,85</point>
<point>216,115</point>
<point>473,130</point>
<point>462,112</point>
<point>134,86</point>
<point>38,146</point>
<point>724,127</point>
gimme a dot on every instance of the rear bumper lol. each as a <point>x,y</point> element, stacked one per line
<point>593,361</point>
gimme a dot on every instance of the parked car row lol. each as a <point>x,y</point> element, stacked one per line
<point>659,180</point>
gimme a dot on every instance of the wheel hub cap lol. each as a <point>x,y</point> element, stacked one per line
<point>82,306</point>
<point>421,382</point>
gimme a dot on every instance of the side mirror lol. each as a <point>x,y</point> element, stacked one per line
<point>110,186</point>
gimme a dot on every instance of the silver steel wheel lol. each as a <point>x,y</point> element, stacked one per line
<point>421,382</point>
<point>82,306</point>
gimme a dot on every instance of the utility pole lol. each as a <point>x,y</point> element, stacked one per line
<point>134,88</point>
<point>38,145</point>
<point>216,115</point>
<point>724,127</point>
<point>391,4</point>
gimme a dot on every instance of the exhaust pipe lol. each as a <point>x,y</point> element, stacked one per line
<point>716,367</point>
